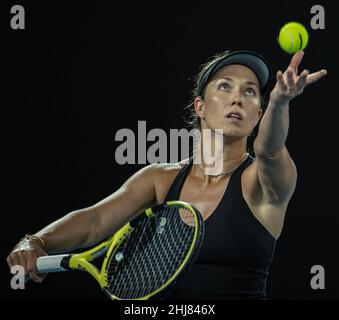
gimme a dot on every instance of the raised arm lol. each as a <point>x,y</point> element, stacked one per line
<point>275,169</point>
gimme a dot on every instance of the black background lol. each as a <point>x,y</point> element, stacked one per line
<point>81,71</point>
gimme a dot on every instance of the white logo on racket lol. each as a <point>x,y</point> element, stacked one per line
<point>161,226</point>
<point>119,256</point>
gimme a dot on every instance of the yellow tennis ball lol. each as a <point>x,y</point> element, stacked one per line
<point>293,36</point>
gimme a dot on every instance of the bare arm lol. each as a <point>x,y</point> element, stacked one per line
<point>86,227</point>
<point>274,167</point>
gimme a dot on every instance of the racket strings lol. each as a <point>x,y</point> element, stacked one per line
<point>133,255</point>
<point>122,253</point>
<point>151,255</point>
<point>121,280</point>
<point>162,254</point>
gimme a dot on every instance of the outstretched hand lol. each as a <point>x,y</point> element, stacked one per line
<point>290,84</point>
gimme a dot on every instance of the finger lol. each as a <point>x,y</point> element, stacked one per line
<point>33,275</point>
<point>10,261</point>
<point>296,59</point>
<point>314,77</point>
<point>42,276</point>
<point>22,261</point>
<point>31,269</point>
<point>280,80</point>
<point>301,82</point>
<point>15,260</point>
<point>289,78</point>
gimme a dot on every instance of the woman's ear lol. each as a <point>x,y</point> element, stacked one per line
<point>199,107</point>
<point>260,114</point>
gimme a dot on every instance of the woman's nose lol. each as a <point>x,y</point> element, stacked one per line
<point>237,98</point>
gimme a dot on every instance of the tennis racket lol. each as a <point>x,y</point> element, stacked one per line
<point>145,258</point>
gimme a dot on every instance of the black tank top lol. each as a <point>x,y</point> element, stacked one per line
<point>237,251</point>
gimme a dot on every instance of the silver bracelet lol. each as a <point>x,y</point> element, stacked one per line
<point>32,237</point>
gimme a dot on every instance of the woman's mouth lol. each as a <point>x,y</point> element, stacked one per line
<point>234,116</point>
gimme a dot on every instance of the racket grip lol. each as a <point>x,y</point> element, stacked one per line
<point>56,263</point>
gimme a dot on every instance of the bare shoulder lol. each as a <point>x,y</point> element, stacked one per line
<point>168,168</point>
<point>163,177</point>
<point>158,173</point>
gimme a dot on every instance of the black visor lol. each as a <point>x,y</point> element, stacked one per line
<point>249,59</point>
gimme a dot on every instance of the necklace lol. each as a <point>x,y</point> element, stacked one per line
<point>243,158</point>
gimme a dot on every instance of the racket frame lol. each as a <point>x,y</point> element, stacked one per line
<point>123,233</point>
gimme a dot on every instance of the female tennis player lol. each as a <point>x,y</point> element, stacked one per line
<point>243,204</point>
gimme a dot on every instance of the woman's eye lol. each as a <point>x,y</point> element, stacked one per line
<point>224,86</point>
<point>250,91</point>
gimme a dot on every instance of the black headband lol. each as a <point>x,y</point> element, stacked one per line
<point>250,59</point>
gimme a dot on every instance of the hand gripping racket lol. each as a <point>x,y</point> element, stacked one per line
<point>145,258</point>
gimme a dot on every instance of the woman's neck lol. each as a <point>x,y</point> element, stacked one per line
<point>216,155</point>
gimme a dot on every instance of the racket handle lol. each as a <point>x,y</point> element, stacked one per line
<point>56,263</point>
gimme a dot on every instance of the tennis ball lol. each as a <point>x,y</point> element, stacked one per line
<point>293,36</point>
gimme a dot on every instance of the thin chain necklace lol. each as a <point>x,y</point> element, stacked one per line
<point>243,158</point>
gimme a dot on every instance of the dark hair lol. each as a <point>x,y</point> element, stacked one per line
<point>190,116</point>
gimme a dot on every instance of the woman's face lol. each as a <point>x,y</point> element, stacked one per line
<point>232,102</point>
